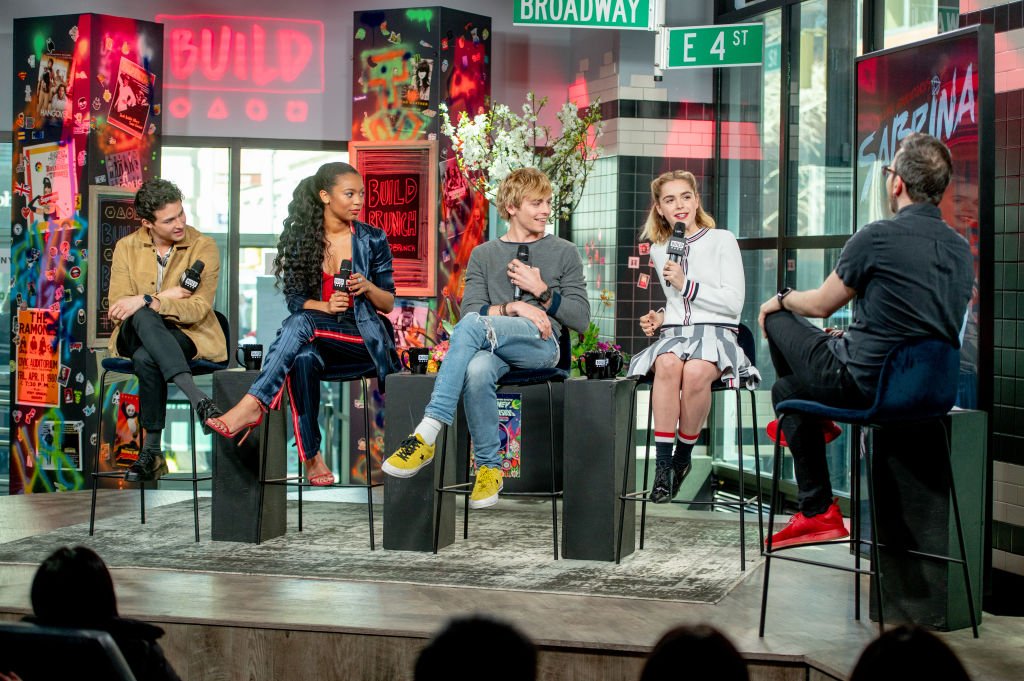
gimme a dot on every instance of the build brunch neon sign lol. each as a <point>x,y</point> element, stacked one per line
<point>278,62</point>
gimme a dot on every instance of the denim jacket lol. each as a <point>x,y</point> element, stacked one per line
<point>371,257</point>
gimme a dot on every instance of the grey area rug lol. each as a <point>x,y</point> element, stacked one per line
<point>684,559</point>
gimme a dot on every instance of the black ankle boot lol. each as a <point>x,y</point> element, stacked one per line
<point>679,473</point>
<point>149,466</point>
<point>661,492</point>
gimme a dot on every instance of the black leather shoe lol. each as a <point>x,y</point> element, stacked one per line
<point>679,473</point>
<point>207,409</point>
<point>149,466</point>
<point>662,489</point>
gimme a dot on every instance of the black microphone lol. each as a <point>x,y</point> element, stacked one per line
<point>677,243</point>
<point>523,256</point>
<point>341,278</point>
<point>190,277</point>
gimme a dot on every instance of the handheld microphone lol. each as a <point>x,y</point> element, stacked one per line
<point>676,248</point>
<point>341,278</point>
<point>190,277</point>
<point>523,256</point>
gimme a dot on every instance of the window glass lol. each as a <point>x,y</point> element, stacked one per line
<point>907,21</point>
<point>748,185</point>
<point>269,176</point>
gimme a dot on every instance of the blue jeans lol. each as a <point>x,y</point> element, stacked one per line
<point>482,350</point>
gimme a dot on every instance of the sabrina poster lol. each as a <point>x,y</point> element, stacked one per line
<point>940,87</point>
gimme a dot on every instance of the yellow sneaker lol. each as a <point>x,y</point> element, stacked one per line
<point>488,483</point>
<point>412,455</point>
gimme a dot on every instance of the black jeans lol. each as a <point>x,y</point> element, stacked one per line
<point>807,369</point>
<point>159,351</point>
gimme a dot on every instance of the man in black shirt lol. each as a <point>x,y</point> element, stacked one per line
<point>912,277</point>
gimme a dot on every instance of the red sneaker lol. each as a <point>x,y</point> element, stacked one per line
<point>802,529</point>
<point>830,429</point>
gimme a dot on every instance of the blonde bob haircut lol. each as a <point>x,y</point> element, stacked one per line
<point>520,185</point>
<point>657,228</point>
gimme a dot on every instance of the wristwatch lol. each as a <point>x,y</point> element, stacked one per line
<point>782,294</point>
<point>147,299</point>
<point>544,297</point>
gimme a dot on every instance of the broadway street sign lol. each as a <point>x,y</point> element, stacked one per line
<point>621,14</point>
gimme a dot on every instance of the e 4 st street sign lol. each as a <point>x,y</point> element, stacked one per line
<point>622,14</point>
<point>712,46</point>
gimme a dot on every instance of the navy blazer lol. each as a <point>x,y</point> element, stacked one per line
<point>371,257</point>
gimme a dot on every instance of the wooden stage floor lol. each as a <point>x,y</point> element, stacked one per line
<point>226,627</point>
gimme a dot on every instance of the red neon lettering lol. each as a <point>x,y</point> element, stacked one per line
<point>261,74</point>
<point>256,110</point>
<point>217,110</point>
<point>214,70</point>
<point>245,54</point>
<point>296,110</point>
<point>180,107</point>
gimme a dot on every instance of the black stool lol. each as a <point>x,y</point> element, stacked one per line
<point>643,497</point>
<point>918,383</point>
<point>339,373</point>
<point>518,378</point>
<point>122,365</point>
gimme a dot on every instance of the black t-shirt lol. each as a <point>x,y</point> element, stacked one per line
<point>914,276</point>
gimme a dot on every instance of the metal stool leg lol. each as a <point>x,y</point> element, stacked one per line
<point>743,484</point>
<point>875,567</point>
<point>855,521</point>
<point>369,467</point>
<point>195,479</point>
<point>96,456</point>
<point>757,473</point>
<point>264,430</point>
<point>647,466</point>
<point>776,477</point>
<point>554,483</point>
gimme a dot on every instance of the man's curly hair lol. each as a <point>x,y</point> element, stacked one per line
<point>155,194</point>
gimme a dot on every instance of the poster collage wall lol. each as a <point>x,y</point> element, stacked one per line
<point>86,112</point>
<point>406,62</point>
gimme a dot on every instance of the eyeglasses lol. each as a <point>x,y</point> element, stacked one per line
<point>886,170</point>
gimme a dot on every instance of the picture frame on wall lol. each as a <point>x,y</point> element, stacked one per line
<point>400,180</point>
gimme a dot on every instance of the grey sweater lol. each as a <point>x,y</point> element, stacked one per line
<point>560,267</point>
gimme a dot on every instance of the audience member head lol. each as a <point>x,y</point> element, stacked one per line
<point>925,166</point>
<point>72,587</point>
<point>908,652</point>
<point>696,652</point>
<point>521,185</point>
<point>657,228</point>
<point>468,645</point>
<point>155,194</point>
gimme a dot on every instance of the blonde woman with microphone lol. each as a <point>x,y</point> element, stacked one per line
<point>701,274</point>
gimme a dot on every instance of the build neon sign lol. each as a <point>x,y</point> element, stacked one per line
<point>277,62</point>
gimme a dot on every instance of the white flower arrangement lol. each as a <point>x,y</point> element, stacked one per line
<point>490,145</point>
